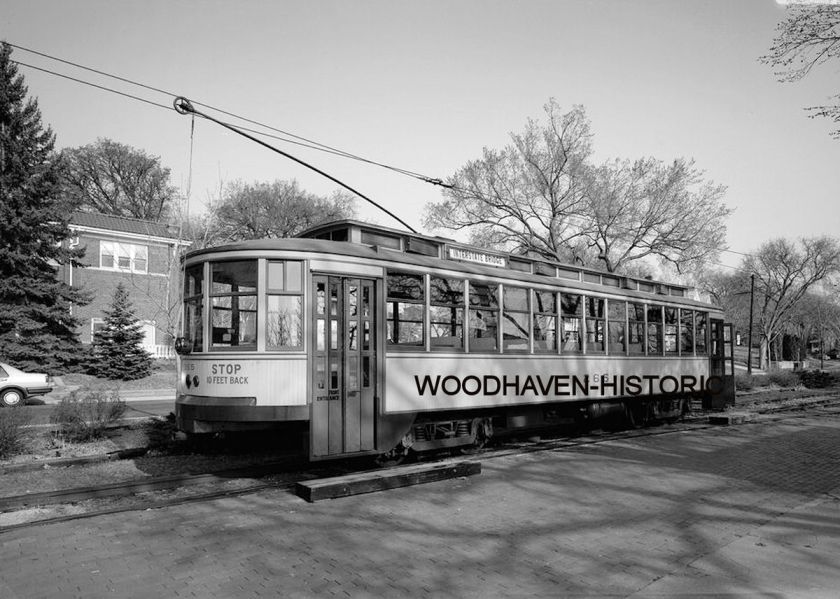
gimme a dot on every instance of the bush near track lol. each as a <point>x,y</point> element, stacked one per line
<point>787,379</point>
<point>84,415</point>
<point>12,434</point>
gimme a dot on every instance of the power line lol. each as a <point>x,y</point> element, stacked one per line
<point>102,87</point>
<point>184,106</point>
<point>312,144</point>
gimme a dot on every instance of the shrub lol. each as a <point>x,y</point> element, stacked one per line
<point>783,378</point>
<point>12,434</point>
<point>745,382</point>
<point>818,379</point>
<point>85,415</point>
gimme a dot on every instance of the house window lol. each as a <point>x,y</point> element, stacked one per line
<point>96,325</point>
<point>124,256</point>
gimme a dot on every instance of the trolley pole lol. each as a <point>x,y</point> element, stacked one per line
<point>749,336</point>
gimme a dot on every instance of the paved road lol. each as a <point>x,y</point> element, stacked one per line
<point>751,510</point>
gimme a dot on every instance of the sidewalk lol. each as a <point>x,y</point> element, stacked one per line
<point>737,511</point>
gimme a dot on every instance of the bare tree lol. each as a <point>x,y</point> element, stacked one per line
<point>113,178</point>
<point>646,209</point>
<point>541,196</point>
<point>270,210</point>
<point>809,36</point>
<point>784,272</point>
<point>527,196</point>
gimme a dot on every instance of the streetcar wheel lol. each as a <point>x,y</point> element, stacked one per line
<point>392,458</point>
<point>483,428</point>
<point>11,397</point>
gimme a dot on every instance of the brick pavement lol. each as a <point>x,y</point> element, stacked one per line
<point>740,510</point>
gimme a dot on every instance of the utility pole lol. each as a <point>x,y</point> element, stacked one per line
<point>749,337</point>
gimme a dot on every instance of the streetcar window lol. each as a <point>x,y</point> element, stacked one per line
<point>284,322</point>
<point>595,325</point>
<point>233,290</point>
<point>484,317</point>
<point>446,313</point>
<point>193,281</point>
<point>636,329</point>
<point>284,319</point>
<point>285,276</point>
<point>380,239</point>
<point>194,307</point>
<point>545,321</point>
<point>572,311</point>
<point>405,309</point>
<point>616,323</point>
<point>515,324</point>
<point>686,332</point>
<point>700,333</point>
<point>654,330</point>
<point>671,330</point>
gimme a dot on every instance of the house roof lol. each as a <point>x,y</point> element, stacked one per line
<point>122,224</point>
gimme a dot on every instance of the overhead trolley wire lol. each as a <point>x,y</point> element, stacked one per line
<point>82,81</point>
<point>308,142</point>
<point>184,106</point>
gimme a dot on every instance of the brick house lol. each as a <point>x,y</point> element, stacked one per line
<point>144,255</point>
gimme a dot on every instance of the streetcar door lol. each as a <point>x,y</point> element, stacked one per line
<point>722,363</point>
<point>344,364</point>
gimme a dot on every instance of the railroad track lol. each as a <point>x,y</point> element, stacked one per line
<point>283,474</point>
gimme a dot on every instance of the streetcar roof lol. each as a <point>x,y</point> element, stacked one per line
<point>358,240</point>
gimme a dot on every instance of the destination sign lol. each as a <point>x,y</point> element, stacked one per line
<point>477,257</point>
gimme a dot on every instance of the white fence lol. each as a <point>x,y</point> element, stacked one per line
<point>160,352</point>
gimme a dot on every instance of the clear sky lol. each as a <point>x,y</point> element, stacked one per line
<point>426,85</point>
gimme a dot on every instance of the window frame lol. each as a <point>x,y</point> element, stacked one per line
<point>456,308</point>
<point>131,253</point>
<point>238,294</point>
<point>520,312</point>
<point>535,313</point>
<point>392,304</point>
<point>284,291</point>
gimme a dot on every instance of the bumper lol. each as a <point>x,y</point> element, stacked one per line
<point>196,414</point>
<point>33,391</point>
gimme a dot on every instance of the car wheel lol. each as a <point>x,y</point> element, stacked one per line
<point>11,397</point>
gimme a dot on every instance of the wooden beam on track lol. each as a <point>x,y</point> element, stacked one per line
<point>381,480</point>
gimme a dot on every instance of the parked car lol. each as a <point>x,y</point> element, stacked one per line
<point>17,386</point>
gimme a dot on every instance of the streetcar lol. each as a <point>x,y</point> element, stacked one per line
<point>367,340</point>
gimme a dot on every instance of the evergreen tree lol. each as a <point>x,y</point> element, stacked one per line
<point>117,347</point>
<point>37,330</point>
